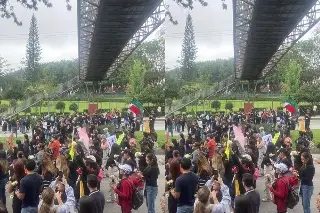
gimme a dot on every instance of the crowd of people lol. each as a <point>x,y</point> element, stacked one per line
<point>215,167</point>
<point>61,163</point>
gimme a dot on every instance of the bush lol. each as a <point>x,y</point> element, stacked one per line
<point>73,107</point>
<point>216,105</point>
<point>229,106</point>
<point>60,106</point>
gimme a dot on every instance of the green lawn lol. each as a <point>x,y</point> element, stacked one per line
<point>236,105</point>
<point>83,105</point>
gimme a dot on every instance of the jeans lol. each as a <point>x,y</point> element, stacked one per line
<point>185,209</point>
<point>152,192</point>
<point>306,193</point>
<point>29,209</point>
<point>3,191</point>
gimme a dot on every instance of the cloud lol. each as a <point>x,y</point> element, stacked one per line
<point>213,28</point>
<point>57,32</point>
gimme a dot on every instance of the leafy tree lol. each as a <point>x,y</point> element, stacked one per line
<point>15,94</point>
<point>7,10</point>
<point>73,107</point>
<point>3,108</point>
<point>169,102</point>
<point>229,106</point>
<point>3,71</point>
<point>13,104</point>
<point>188,52</point>
<point>27,110</point>
<point>170,87</point>
<point>60,105</point>
<point>292,78</point>
<point>33,53</point>
<point>216,105</point>
<point>136,86</point>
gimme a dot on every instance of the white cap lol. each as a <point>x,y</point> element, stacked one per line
<point>91,157</point>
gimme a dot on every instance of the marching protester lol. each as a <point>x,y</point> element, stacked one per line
<point>62,168</point>
<point>239,148</point>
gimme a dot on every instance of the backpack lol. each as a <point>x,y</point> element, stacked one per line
<point>293,197</point>
<point>137,197</point>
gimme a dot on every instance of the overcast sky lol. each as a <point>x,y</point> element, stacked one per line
<point>213,28</point>
<point>213,31</point>
<point>57,32</point>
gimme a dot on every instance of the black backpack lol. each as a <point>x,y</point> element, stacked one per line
<point>293,197</point>
<point>137,197</point>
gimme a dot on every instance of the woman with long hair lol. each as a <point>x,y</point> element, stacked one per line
<point>4,168</point>
<point>151,174</point>
<point>174,173</point>
<point>204,170</point>
<point>202,203</point>
<point>62,165</point>
<point>306,174</point>
<point>46,204</point>
<point>47,170</point>
<point>13,184</point>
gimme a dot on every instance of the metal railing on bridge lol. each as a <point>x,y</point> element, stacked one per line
<point>223,86</point>
<point>35,99</point>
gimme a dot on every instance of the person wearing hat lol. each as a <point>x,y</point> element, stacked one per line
<point>125,188</point>
<point>280,188</point>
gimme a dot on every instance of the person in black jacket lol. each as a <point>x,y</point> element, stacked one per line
<point>97,197</point>
<point>250,201</point>
<point>150,175</point>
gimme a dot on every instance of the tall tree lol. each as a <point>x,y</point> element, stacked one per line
<point>3,71</point>
<point>189,4</point>
<point>292,78</point>
<point>136,80</point>
<point>33,54</point>
<point>189,51</point>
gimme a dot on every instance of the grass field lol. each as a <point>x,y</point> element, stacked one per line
<point>83,105</point>
<point>236,105</point>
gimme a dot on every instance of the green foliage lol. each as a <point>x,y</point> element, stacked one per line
<point>216,105</point>
<point>60,106</point>
<point>136,86</point>
<point>190,88</point>
<point>188,52</point>
<point>229,106</point>
<point>27,110</point>
<point>309,94</point>
<point>73,107</point>
<point>13,94</point>
<point>33,53</point>
<point>3,108</point>
<point>292,78</point>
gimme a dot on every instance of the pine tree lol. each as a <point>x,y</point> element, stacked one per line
<point>189,51</point>
<point>33,53</point>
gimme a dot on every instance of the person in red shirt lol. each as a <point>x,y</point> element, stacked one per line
<point>280,188</point>
<point>211,145</point>
<point>55,147</point>
<point>125,188</point>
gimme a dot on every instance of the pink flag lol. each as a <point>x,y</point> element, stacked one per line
<point>82,132</point>
<point>239,135</point>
